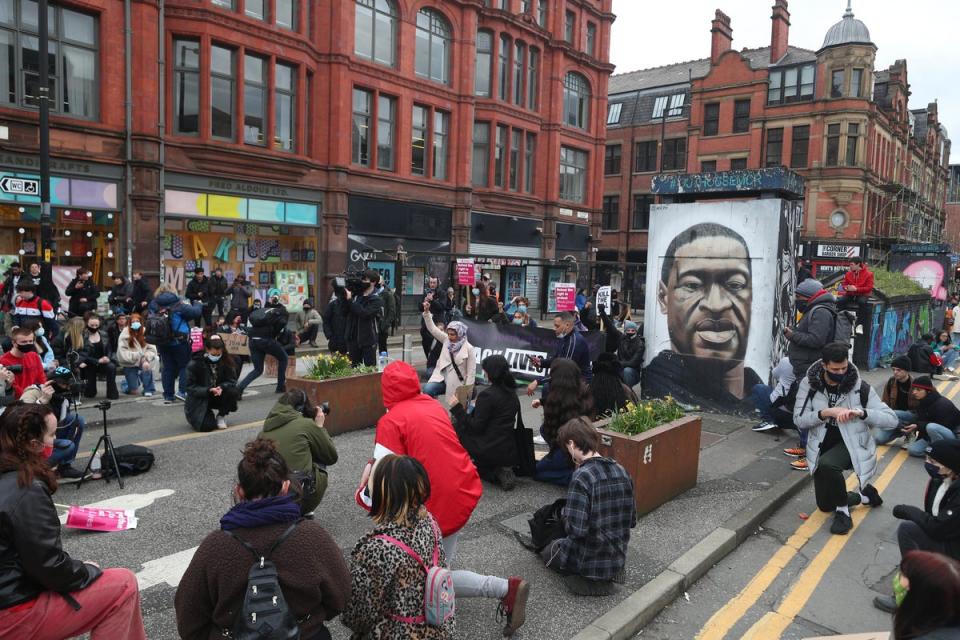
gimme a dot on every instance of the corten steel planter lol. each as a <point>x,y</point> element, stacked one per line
<point>355,402</point>
<point>270,366</point>
<point>663,462</point>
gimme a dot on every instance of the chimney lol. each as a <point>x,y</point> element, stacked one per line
<point>722,40</point>
<point>780,36</point>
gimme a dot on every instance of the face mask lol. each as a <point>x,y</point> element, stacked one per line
<point>40,331</point>
<point>27,348</point>
<point>307,309</point>
<point>631,335</point>
<point>836,377</point>
<point>47,451</point>
<point>899,591</point>
<point>476,292</point>
<point>518,321</point>
<point>213,358</point>
<point>93,327</point>
<point>522,308</point>
<point>135,326</point>
<point>801,305</point>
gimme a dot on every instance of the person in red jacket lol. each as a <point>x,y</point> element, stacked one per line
<point>24,353</point>
<point>855,290</point>
<point>416,425</point>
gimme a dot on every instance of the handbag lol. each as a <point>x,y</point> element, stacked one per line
<point>456,369</point>
<point>523,440</point>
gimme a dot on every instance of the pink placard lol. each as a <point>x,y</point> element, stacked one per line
<point>566,294</point>
<point>466,271</point>
<point>97,519</point>
<point>196,339</point>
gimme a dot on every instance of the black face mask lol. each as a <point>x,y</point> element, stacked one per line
<point>27,348</point>
<point>933,470</point>
<point>93,329</point>
<point>802,305</point>
<point>307,308</point>
<point>835,377</point>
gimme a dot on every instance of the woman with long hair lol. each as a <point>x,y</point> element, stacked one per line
<point>46,592</point>
<point>212,391</point>
<point>610,393</point>
<point>387,583</point>
<point>312,573</point>
<point>567,397</point>
<point>930,610</point>
<point>137,357</point>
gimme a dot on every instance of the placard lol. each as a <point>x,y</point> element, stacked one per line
<point>565,293</point>
<point>466,271</point>
<point>603,299</point>
<point>97,519</point>
<point>236,343</point>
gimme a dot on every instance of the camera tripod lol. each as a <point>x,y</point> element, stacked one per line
<point>108,450</point>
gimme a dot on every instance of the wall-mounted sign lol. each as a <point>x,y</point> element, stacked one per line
<point>20,186</point>
<point>838,250</point>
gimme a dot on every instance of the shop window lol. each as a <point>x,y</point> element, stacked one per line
<point>741,116</point>
<point>799,146</point>
<point>530,151</point>
<point>285,107</point>
<point>222,102</point>
<point>674,154</point>
<point>481,154</point>
<point>611,160</point>
<point>711,119</point>
<point>641,212</point>
<point>833,145</point>
<point>610,219</point>
<point>186,86</point>
<point>515,137</point>
<point>386,115</point>
<point>646,156</point>
<point>573,174</point>
<point>499,155</point>
<point>254,100</point>
<point>375,31</point>
<point>434,46</point>
<point>576,101</point>
<point>774,155</point>
<point>533,79</point>
<point>503,68</point>
<point>519,58</point>
<point>484,62</point>
<point>287,14</point>
<point>362,112</point>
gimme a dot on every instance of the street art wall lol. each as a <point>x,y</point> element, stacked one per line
<point>930,271</point>
<point>895,327</point>
<point>719,291</point>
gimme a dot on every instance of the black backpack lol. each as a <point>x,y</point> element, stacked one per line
<point>546,525</point>
<point>260,318</point>
<point>265,614</point>
<point>864,396</point>
<point>158,327</point>
<point>132,460</point>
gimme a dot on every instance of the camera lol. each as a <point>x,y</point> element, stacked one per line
<point>325,407</point>
<point>65,382</point>
<point>351,282</point>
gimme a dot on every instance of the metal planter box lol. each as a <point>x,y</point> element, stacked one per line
<point>355,402</point>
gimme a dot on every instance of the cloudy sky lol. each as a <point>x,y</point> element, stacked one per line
<point>649,34</point>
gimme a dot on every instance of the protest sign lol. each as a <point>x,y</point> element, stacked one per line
<point>466,271</point>
<point>566,295</point>
<point>236,343</point>
<point>603,299</point>
<point>97,519</point>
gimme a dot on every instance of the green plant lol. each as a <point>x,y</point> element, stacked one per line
<point>330,367</point>
<point>893,284</point>
<point>639,418</point>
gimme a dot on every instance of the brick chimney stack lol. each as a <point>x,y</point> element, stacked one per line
<point>722,40</point>
<point>780,36</point>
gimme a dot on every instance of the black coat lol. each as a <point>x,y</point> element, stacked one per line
<point>46,289</point>
<point>32,560</point>
<point>335,324</point>
<point>814,330</point>
<point>199,291</point>
<point>487,434</point>
<point>919,353</point>
<point>944,527</point>
<point>202,375</point>
<point>141,296</point>
<point>81,289</point>
<point>363,323</point>
<point>938,410</point>
<point>278,317</point>
<point>87,350</point>
<point>217,288</point>
<point>121,295</point>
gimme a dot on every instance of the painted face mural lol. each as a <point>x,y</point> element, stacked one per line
<point>928,274</point>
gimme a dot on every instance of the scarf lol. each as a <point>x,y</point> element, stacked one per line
<point>260,513</point>
<point>461,329</point>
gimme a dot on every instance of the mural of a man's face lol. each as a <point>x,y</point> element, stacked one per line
<point>707,299</point>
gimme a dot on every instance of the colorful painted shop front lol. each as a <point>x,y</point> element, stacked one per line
<point>266,232</point>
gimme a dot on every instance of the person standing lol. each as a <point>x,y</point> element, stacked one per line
<point>268,327</point>
<point>121,295</point>
<point>44,284</point>
<point>137,357</point>
<point>29,306</point>
<point>218,292</point>
<point>803,270</point>
<point>335,322</point>
<point>830,408</point>
<point>141,293</point>
<point>308,323</point>
<point>82,293</point>
<point>431,295</point>
<point>240,293</point>
<point>11,279</point>
<point>198,292</point>
<point>363,321</point>
<point>211,386</point>
<point>175,351</point>
<point>389,315</point>
<point>815,329</point>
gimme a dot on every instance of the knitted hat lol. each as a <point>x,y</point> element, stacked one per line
<point>809,288</point>
<point>273,292</point>
<point>946,452</point>
<point>923,382</point>
<point>630,325</point>
<point>901,362</point>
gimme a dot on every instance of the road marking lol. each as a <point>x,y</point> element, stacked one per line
<point>731,613</point>
<point>772,625</point>
<point>192,435</point>
<point>168,569</point>
<point>951,393</point>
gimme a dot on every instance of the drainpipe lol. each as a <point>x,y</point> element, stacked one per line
<point>128,138</point>
<point>162,127</point>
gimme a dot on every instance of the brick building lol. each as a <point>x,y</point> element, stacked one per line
<point>296,136</point>
<point>876,170</point>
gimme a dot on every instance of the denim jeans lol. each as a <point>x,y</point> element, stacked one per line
<point>631,376</point>
<point>554,468</point>
<point>934,432</point>
<point>884,436</point>
<point>760,398</point>
<point>136,375</point>
<point>68,440</point>
<point>434,389</point>
<point>950,357</point>
<point>174,358</point>
<point>259,349</point>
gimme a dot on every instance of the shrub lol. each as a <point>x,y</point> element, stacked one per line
<point>326,367</point>
<point>639,418</point>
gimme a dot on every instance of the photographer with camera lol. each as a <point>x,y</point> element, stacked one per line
<point>23,361</point>
<point>96,357</point>
<point>296,426</point>
<point>6,387</point>
<point>268,327</point>
<point>212,391</point>
<point>363,323</point>
<point>66,388</point>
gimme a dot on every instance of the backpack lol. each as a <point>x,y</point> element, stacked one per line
<point>843,322</point>
<point>439,600</point>
<point>260,318</point>
<point>265,614</point>
<point>546,525</point>
<point>864,396</point>
<point>132,460</point>
<point>158,327</point>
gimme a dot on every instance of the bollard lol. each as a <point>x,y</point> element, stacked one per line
<point>408,348</point>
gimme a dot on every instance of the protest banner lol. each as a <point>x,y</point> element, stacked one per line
<point>236,343</point>
<point>603,299</point>
<point>566,295</point>
<point>97,519</point>
<point>466,271</point>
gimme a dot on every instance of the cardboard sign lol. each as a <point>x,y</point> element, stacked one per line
<point>97,519</point>
<point>565,295</point>
<point>603,298</point>
<point>236,343</point>
<point>466,271</point>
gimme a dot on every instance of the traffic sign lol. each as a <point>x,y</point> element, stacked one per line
<point>20,186</point>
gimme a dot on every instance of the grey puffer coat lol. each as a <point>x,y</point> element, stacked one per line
<point>812,398</point>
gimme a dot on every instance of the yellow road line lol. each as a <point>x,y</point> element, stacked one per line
<point>731,613</point>
<point>952,391</point>
<point>942,385</point>
<point>772,625</point>
<point>189,436</point>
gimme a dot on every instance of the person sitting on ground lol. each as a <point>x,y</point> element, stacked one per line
<point>212,391</point>
<point>567,397</point>
<point>930,609</point>
<point>142,295</point>
<point>311,570</point>
<point>948,351</point>
<point>57,394</point>
<point>897,395</point>
<point>776,405</point>
<point>137,357</point>
<point>308,323</point>
<point>830,408</point>
<point>937,418</point>
<point>96,358</point>
<point>610,393</point>
<point>387,582</point>
<point>418,426</point>
<point>457,364</point>
<point>923,358</point>
<point>597,518</point>
<point>23,352</point>
<point>47,593</point>
<point>296,425</point>
<point>488,433</point>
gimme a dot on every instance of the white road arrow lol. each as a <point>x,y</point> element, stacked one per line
<point>168,569</point>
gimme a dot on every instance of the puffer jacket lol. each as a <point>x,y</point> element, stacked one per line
<point>814,330</point>
<point>812,398</point>
<point>32,560</point>
<point>128,356</point>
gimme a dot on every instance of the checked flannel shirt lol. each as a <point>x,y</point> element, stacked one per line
<point>597,517</point>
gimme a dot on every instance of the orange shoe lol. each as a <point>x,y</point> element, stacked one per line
<point>800,464</point>
<point>797,452</point>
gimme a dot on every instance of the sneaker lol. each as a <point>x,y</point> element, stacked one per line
<point>221,422</point>
<point>505,478</point>
<point>908,440</point>
<point>513,606</point>
<point>123,387</point>
<point>842,523</point>
<point>871,492</point>
<point>766,425</point>
<point>69,472</point>
<point>796,452</point>
<point>169,400</point>
<point>800,464</point>
<point>181,396</point>
<point>539,440</point>
<point>148,394</point>
<point>885,603</point>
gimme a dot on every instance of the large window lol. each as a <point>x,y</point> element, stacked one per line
<point>792,84</point>
<point>499,155</point>
<point>516,137</point>
<point>836,83</point>
<point>186,86</point>
<point>484,62</point>
<point>530,152</point>
<point>833,145</point>
<point>375,31</point>
<point>576,101</point>
<point>711,119</point>
<point>641,212</point>
<point>646,156</point>
<point>433,46</point>
<point>533,79</point>
<point>671,106</point>
<point>481,154</point>
<point>503,68</point>
<point>611,160</point>
<point>610,220</point>
<point>774,155</point>
<point>419,131</point>
<point>72,60</point>
<point>386,129</point>
<point>422,144</point>
<point>674,154</point>
<point>573,174</point>
<point>543,13</point>
<point>362,112</point>
<point>800,146</point>
<point>285,107</point>
<point>256,9</point>
<point>287,14</point>
<point>254,100</point>
<point>222,103</point>
<point>853,139</point>
<point>519,58</point>
<point>441,138</point>
<point>741,116</point>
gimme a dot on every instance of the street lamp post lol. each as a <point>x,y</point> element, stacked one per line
<point>44,90</point>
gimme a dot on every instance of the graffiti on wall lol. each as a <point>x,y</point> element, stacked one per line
<point>784,311</point>
<point>930,271</point>
<point>895,328</point>
<point>717,280</point>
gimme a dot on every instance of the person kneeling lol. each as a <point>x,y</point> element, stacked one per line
<point>597,517</point>
<point>212,390</point>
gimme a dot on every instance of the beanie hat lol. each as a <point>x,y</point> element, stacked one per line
<point>630,325</point>
<point>901,362</point>
<point>809,288</point>
<point>273,292</point>
<point>923,382</point>
<point>947,453</point>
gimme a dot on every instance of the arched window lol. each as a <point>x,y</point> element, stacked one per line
<point>433,46</point>
<point>576,101</point>
<point>375,31</point>
<point>484,63</point>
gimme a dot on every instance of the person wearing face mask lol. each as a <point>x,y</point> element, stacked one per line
<point>137,357</point>
<point>570,345</point>
<point>24,353</point>
<point>816,327</point>
<point>121,295</point>
<point>29,306</point>
<point>82,293</point>
<point>43,281</point>
<point>522,319</point>
<point>268,326</point>
<point>212,390</point>
<point>363,323</point>
<point>46,593</point>
<point>96,358</point>
<point>629,346</point>
<point>309,323</point>
<point>831,409</point>
<point>70,424</point>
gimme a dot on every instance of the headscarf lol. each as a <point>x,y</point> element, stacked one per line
<point>461,329</point>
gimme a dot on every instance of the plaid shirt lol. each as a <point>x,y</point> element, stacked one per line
<point>598,516</point>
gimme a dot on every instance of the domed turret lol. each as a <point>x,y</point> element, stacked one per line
<point>848,31</point>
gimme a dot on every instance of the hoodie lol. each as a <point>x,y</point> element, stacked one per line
<point>814,330</point>
<point>416,425</point>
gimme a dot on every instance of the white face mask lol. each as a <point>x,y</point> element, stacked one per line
<point>40,331</point>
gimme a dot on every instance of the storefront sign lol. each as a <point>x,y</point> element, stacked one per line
<point>499,262</point>
<point>838,250</point>
<point>20,186</point>
<point>920,248</point>
<point>466,271</point>
<point>565,293</point>
<point>239,188</point>
<point>57,165</point>
<point>773,179</point>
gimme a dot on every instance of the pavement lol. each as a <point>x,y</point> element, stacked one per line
<point>743,479</point>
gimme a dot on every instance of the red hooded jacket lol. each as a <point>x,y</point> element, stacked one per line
<point>416,425</point>
<point>862,280</point>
